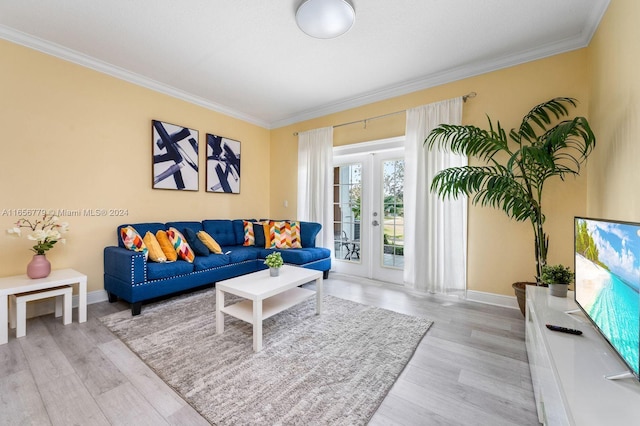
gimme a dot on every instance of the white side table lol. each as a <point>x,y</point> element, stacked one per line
<point>22,284</point>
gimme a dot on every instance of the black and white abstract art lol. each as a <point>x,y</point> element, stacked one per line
<point>223,165</point>
<point>175,157</point>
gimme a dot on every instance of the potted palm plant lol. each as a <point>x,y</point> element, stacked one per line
<point>558,278</point>
<point>518,164</point>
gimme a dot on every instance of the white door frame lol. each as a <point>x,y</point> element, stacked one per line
<point>362,153</point>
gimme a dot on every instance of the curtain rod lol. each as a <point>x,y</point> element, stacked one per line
<point>464,99</point>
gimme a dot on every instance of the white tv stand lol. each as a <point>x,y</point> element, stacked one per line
<point>568,371</point>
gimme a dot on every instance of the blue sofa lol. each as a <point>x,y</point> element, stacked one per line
<point>128,276</point>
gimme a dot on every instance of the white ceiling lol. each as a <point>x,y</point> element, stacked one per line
<point>248,59</point>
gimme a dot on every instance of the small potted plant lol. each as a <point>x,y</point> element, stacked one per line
<point>274,262</point>
<point>558,278</point>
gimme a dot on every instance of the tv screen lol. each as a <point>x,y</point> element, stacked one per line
<point>607,282</point>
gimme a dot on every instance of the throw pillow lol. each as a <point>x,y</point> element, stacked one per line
<point>208,241</point>
<point>166,246</point>
<point>258,232</point>
<point>249,238</point>
<point>155,251</point>
<point>198,246</point>
<point>280,236</point>
<point>296,239</point>
<point>180,244</point>
<point>133,241</point>
<point>266,228</point>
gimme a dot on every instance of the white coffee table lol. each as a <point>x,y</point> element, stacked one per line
<point>266,296</point>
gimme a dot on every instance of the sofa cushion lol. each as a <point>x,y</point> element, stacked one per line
<point>210,261</point>
<point>222,231</point>
<point>199,248</point>
<point>157,271</point>
<point>240,253</point>
<point>299,256</point>
<point>195,226</point>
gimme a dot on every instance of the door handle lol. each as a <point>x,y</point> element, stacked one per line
<point>375,223</point>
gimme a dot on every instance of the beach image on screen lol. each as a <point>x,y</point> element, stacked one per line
<point>607,282</point>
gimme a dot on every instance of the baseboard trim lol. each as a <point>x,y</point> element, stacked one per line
<point>492,299</point>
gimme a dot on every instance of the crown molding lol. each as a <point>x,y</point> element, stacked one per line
<point>426,82</point>
<point>81,59</point>
<point>444,77</point>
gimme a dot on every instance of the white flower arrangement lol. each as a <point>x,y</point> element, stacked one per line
<point>46,232</point>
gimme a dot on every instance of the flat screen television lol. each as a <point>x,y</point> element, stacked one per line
<point>607,283</point>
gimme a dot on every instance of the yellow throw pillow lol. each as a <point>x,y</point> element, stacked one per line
<point>166,246</point>
<point>267,234</point>
<point>155,251</point>
<point>208,241</point>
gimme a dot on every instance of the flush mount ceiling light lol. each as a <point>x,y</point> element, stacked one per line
<point>325,18</point>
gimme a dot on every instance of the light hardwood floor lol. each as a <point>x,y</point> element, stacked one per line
<point>470,369</point>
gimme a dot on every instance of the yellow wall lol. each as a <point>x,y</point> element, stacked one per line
<point>73,138</point>
<point>614,59</point>
<point>500,250</point>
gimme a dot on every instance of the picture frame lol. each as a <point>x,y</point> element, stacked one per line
<point>174,156</point>
<point>223,165</point>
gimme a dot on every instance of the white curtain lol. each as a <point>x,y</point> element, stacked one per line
<point>315,186</point>
<point>435,252</point>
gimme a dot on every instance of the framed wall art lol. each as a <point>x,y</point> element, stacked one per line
<point>223,165</point>
<point>175,157</point>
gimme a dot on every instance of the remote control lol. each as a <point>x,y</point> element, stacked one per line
<point>564,329</point>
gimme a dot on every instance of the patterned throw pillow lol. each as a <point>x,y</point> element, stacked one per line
<point>249,237</point>
<point>208,241</point>
<point>155,251</point>
<point>181,245</point>
<point>166,246</point>
<point>284,234</point>
<point>296,239</point>
<point>278,235</point>
<point>133,241</point>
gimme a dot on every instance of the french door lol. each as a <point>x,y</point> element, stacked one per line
<point>369,214</point>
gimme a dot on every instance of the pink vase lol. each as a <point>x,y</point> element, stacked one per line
<point>39,267</point>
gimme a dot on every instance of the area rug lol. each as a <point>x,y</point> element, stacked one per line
<point>334,368</point>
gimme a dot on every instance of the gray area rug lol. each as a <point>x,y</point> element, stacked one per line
<point>334,369</point>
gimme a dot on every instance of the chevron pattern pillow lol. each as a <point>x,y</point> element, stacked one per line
<point>180,245</point>
<point>133,241</point>
<point>284,234</point>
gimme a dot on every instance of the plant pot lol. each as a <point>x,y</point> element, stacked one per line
<point>39,267</point>
<point>274,272</point>
<point>520,289</point>
<point>558,290</point>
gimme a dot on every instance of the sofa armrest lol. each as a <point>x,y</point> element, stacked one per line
<point>127,265</point>
<point>308,233</point>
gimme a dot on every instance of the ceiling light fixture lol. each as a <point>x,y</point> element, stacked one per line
<point>325,18</point>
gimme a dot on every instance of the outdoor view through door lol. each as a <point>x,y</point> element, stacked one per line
<point>369,215</point>
<point>393,216</point>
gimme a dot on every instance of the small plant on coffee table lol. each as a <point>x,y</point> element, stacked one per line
<point>274,262</point>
